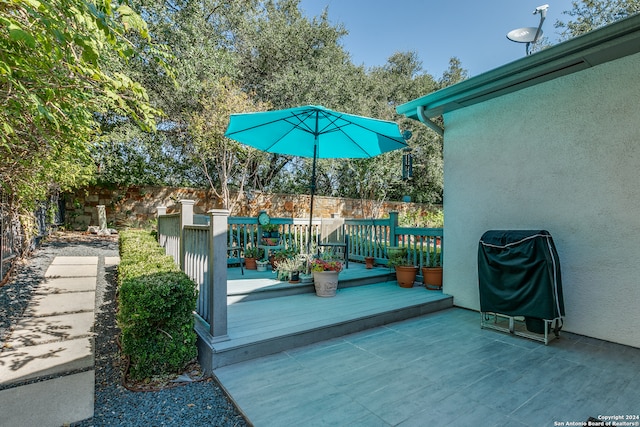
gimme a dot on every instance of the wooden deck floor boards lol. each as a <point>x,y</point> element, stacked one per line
<point>260,327</point>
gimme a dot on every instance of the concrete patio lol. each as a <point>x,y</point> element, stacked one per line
<point>438,369</point>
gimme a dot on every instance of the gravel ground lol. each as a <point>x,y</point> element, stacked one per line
<point>200,403</point>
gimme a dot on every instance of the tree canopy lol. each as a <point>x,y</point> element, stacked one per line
<point>55,84</point>
<point>588,15</point>
<point>277,57</point>
<point>84,83</point>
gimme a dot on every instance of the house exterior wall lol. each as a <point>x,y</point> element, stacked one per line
<point>562,156</point>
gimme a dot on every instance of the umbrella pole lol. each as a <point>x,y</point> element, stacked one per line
<point>313,190</point>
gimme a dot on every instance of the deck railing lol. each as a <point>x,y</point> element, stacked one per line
<point>372,237</point>
<point>169,234</point>
<point>199,243</point>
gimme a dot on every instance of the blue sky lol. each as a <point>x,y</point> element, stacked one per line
<point>473,30</point>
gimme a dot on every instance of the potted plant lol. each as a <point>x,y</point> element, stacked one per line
<point>271,229</point>
<point>405,271</point>
<point>279,256</point>
<point>432,272</point>
<point>372,248</point>
<point>369,262</point>
<point>289,268</point>
<point>369,259</point>
<point>325,275</point>
<point>306,276</point>
<point>251,254</point>
<point>261,265</point>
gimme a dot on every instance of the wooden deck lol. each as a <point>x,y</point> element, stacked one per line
<point>259,327</point>
<point>254,285</point>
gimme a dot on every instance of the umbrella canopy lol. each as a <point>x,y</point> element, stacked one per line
<point>315,132</point>
<point>296,131</point>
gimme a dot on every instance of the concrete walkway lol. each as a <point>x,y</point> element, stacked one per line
<point>49,357</point>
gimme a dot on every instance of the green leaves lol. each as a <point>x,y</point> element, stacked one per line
<point>17,34</point>
<point>131,20</point>
<point>55,78</point>
<point>591,14</point>
<point>156,304</point>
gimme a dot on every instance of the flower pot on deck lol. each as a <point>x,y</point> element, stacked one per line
<point>369,261</point>
<point>326,283</point>
<point>406,275</point>
<point>432,277</point>
<point>250,263</point>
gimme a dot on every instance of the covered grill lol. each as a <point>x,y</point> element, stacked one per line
<point>520,283</point>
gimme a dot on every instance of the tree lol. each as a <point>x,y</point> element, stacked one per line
<point>55,84</point>
<point>224,162</point>
<point>399,80</point>
<point>289,60</point>
<point>275,55</point>
<point>199,35</point>
<point>589,15</point>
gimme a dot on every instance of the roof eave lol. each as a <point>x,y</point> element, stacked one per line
<point>614,41</point>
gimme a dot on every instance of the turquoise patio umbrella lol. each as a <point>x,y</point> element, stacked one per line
<point>315,132</point>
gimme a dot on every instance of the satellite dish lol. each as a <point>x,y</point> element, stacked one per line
<point>524,35</point>
<point>529,35</point>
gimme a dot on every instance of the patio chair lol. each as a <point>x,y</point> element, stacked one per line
<point>237,249</point>
<point>332,235</point>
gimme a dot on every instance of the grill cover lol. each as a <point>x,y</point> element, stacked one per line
<point>519,274</point>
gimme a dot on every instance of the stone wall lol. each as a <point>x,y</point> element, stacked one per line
<point>136,206</point>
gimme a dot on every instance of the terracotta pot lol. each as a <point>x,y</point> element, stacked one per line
<point>326,283</point>
<point>406,275</point>
<point>432,277</point>
<point>369,261</point>
<point>250,264</point>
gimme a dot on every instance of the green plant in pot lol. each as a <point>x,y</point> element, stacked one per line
<point>306,276</point>
<point>406,272</point>
<point>270,230</point>
<point>289,268</point>
<point>370,250</point>
<point>279,256</point>
<point>261,265</point>
<point>432,272</point>
<point>251,254</point>
<point>326,269</point>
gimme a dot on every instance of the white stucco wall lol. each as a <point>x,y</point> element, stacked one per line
<point>562,156</point>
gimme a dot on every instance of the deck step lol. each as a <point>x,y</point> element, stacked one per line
<point>262,327</point>
<point>254,285</point>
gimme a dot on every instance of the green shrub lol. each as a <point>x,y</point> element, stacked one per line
<point>156,303</point>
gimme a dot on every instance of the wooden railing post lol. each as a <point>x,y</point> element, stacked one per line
<point>217,285</point>
<point>161,210</point>
<point>186,218</point>
<point>393,224</point>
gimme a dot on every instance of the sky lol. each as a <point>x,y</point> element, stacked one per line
<point>472,30</point>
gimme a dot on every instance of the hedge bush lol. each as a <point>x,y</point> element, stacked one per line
<point>156,303</point>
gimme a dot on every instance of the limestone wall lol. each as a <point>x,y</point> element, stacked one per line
<point>135,206</point>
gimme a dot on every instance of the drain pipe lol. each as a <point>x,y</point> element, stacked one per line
<point>424,119</point>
